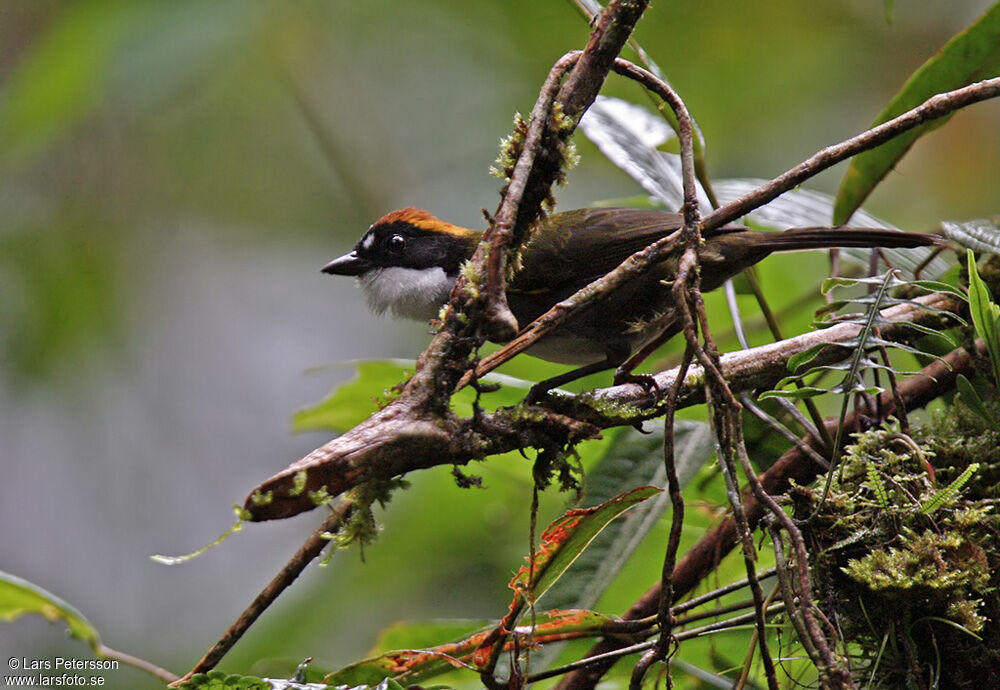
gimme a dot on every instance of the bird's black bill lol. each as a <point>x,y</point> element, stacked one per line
<point>347,265</point>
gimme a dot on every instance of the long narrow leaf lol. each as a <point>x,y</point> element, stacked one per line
<point>566,538</point>
<point>417,665</point>
<point>561,543</point>
<point>985,315</point>
<point>634,458</point>
<point>19,597</point>
<point>971,55</point>
<point>968,394</point>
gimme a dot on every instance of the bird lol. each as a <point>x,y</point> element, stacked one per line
<point>408,261</point>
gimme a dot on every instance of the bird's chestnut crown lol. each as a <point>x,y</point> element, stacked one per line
<point>413,238</point>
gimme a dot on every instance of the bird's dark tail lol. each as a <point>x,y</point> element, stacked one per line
<point>844,236</point>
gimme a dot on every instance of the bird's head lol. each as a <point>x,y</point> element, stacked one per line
<point>407,262</point>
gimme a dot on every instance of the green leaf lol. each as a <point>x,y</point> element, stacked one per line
<point>985,314</point>
<point>796,361</point>
<point>19,597</point>
<point>566,538</point>
<point>426,634</point>
<point>560,544</point>
<point>352,402</point>
<point>969,56</point>
<point>875,482</point>
<point>972,399</point>
<point>415,665</point>
<point>824,315</point>
<point>220,680</point>
<point>633,458</point>
<point>829,284</point>
<point>950,492</point>
<point>938,286</point>
<point>795,394</point>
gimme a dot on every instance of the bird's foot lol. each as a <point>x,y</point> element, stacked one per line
<point>647,381</point>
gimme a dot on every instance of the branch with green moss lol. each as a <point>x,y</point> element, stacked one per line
<point>393,441</point>
<point>794,467</point>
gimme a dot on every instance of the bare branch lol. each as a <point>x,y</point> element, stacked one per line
<point>933,108</point>
<point>313,546</point>
<point>393,442</point>
<point>701,559</point>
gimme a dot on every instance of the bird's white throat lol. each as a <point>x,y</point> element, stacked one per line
<point>412,293</point>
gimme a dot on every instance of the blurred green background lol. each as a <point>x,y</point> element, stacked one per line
<point>174,174</point>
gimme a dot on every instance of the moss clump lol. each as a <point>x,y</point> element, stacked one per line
<point>914,591</point>
<point>361,526</point>
<point>298,483</point>
<point>929,566</point>
<point>608,408</point>
<point>511,147</point>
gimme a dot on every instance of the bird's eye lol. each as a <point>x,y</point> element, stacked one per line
<point>396,244</point>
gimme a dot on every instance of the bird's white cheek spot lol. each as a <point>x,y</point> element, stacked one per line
<point>407,292</point>
<point>368,242</point>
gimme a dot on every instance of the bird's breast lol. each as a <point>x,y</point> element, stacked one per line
<point>411,293</point>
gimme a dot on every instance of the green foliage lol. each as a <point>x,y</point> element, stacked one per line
<point>856,359</point>
<point>414,664</point>
<point>902,559</point>
<point>950,493</point>
<point>64,294</point>
<point>632,458</point>
<point>510,150</point>
<point>981,235</point>
<point>971,55</point>
<point>985,315</point>
<point>425,634</point>
<point>62,80</point>
<point>560,544</point>
<point>376,383</point>
<point>220,680</point>
<point>964,438</point>
<point>917,563</point>
<point>565,539</point>
<point>968,394</point>
<point>97,50</point>
<point>19,597</point>
<point>876,484</point>
<point>351,403</point>
<point>94,57</point>
<point>361,527</point>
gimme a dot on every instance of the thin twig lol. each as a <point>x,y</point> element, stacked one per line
<point>771,319</point>
<point>933,108</point>
<point>398,440</point>
<point>105,652</point>
<point>701,559</point>
<point>500,323</point>
<point>608,658</point>
<point>697,601</point>
<point>423,403</point>
<point>748,402</point>
<point>312,548</point>
<point>727,423</point>
<point>788,593</point>
<point>830,667</point>
<point>631,268</point>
